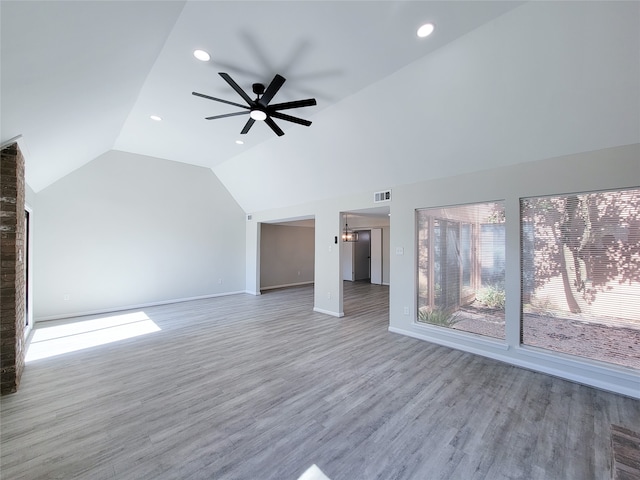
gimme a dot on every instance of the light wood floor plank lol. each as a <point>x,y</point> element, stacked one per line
<point>246,387</point>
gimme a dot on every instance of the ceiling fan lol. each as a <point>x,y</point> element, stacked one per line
<point>259,109</point>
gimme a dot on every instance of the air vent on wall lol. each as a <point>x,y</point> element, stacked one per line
<point>384,196</point>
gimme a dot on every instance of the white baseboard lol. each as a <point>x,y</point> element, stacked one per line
<point>132,307</point>
<point>328,312</point>
<point>273,287</point>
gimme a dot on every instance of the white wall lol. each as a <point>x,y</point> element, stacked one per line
<point>127,230</point>
<point>599,170</point>
<point>348,270</point>
<point>328,252</point>
<point>287,255</point>
<point>545,79</point>
<point>30,196</point>
<point>611,168</point>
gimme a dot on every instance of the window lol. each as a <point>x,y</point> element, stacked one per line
<point>581,275</point>
<point>461,267</point>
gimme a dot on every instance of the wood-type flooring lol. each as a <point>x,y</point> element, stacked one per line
<point>261,387</point>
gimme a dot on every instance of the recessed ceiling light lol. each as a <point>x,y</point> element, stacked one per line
<point>156,118</point>
<point>202,55</point>
<point>239,142</point>
<point>425,30</point>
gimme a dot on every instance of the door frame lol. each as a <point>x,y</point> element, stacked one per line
<point>375,264</point>
<point>28,261</point>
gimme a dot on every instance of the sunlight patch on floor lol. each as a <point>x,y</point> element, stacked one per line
<point>313,473</point>
<point>70,337</point>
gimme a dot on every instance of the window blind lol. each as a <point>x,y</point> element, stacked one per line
<point>581,274</point>
<point>461,267</point>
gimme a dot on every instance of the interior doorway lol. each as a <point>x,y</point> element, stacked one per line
<point>287,253</point>
<point>362,256</point>
<point>365,261</point>
<point>28,270</point>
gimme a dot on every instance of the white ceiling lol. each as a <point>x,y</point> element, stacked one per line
<point>81,78</point>
<point>70,74</point>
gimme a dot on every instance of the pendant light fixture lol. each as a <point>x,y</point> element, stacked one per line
<point>347,234</point>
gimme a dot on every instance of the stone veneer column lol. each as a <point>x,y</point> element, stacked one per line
<point>12,271</point>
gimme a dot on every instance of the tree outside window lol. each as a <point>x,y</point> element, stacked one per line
<point>581,275</point>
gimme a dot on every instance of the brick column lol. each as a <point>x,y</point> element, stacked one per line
<point>12,268</point>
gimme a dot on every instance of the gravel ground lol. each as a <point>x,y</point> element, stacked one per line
<point>617,344</point>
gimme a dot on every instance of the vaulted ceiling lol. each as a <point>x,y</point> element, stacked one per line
<point>496,83</point>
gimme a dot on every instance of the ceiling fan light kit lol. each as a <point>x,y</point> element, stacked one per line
<point>260,109</point>
<point>258,115</point>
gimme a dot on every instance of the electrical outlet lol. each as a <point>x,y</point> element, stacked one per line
<point>406,310</point>
<point>329,295</point>
<point>67,297</point>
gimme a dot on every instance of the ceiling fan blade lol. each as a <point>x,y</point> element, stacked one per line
<point>226,115</point>
<point>273,126</point>
<point>248,125</point>
<point>289,118</point>
<point>309,102</point>
<point>271,90</point>
<point>219,100</point>
<point>236,87</point>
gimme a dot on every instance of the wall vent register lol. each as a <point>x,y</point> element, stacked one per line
<point>384,196</point>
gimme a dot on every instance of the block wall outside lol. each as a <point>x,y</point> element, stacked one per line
<point>12,268</point>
